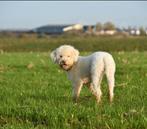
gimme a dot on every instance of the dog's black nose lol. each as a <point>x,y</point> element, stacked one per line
<point>62,62</point>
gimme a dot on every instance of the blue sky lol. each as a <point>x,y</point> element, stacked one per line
<point>31,14</point>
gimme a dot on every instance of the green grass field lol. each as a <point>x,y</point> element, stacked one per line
<point>83,43</point>
<point>35,94</point>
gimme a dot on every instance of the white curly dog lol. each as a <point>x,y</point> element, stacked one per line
<point>86,70</point>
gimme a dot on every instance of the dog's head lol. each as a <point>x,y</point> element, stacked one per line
<point>66,56</point>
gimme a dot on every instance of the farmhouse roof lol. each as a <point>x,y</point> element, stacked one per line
<point>50,29</point>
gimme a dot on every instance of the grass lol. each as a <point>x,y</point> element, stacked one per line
<point>35,94</point>
<point>82,43</point>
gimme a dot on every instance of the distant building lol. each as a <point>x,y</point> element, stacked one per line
<point>105,32</point>
<point>73,27</point>
<point>57,29</point>
<point>50,29</point>
<point>135,32</point>
<point>89,29</point>
<point>110,32</point>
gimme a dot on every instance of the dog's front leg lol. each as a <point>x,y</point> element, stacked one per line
<point>76,90</point>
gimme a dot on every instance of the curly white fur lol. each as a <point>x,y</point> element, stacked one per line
<point>86,69</point>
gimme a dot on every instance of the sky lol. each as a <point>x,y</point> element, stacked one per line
<point>32,14</point>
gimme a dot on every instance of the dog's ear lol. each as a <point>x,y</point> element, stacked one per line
<point>76,55</point>
<point>53,56</point>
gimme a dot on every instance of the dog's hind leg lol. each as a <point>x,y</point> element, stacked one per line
<point>110,73</point>
<point>95,87</point>
<point>96,79</point>
<point>111,80</point>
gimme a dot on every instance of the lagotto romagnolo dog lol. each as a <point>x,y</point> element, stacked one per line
<point>87,70</point>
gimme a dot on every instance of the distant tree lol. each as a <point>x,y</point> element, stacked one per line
<point>129,28</point>
<point>142,31</point>
<point>99,26</point>
<point>109,26</point>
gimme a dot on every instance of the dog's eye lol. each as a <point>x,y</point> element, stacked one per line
<point>61,56</point>
<point>68,56</point>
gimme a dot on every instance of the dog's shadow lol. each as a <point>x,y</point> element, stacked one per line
<point>86,98</point>
<point>82,100</point>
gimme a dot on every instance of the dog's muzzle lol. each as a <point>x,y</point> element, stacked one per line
<point>63,63</point>
<point>65,66</point>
